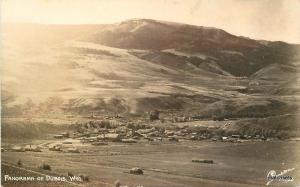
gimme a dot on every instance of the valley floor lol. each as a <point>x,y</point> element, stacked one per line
<point>165,164</point>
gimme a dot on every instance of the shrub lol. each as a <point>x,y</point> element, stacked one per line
<point>84,178</point>
<point>45,167</point>
<point>70,174</point>
<point>154,115</point>
<point>117,183</point>
<point>19,163</point>
<point>136,171</point>
<point>283,135</point>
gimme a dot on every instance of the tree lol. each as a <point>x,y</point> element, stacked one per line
<point>154,115</point>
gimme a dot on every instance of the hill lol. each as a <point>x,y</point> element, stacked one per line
<point>140,65</point>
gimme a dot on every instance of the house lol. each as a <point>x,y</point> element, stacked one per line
<point>169,133</point>
<point>99,143</point>
<point>136,171</point>
<point>180,119</point>
<point>203,161</point>
<point>224,138</point>
<point>68,141</point>
<point>91,139</point>
<point>129,140</point>
<point>254,83</point>
<point>235,136</point>
<point>58,136</point>
<point>73,150</point>
<point>55,147</point>
<point>65,134</point>
<point>173,139</point>
<point>18,149</point>
<point>145,131</point>
<point>32,148</point>
<point>110,137</point>
<point>153,134</point>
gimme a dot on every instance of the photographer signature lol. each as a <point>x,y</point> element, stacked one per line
<point>272,176</point>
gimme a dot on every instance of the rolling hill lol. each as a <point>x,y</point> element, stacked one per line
<point>140,65</point>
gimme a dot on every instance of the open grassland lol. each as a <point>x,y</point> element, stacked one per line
<point>170,164</point>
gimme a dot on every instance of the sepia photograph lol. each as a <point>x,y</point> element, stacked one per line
<point>150,93</point>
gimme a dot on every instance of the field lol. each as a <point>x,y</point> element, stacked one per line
<point>169,164</point>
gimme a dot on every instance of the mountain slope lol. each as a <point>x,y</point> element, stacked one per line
<point>157,35</point>
<point>141,65</point>
<point>239,56</point>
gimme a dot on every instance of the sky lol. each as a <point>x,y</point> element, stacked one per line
<point>257,19</point>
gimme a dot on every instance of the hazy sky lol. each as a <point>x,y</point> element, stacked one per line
<point>259,19</point>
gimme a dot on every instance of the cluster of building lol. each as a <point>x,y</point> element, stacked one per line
<point>98,133</point>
